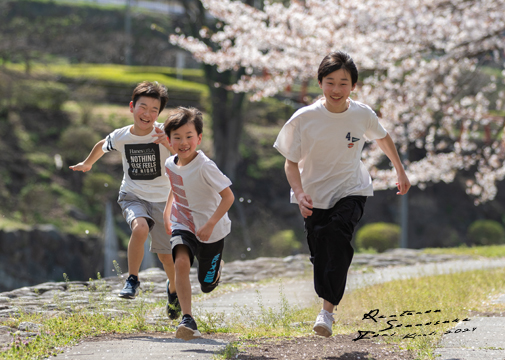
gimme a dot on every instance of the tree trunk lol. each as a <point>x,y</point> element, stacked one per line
<point>227,119</point>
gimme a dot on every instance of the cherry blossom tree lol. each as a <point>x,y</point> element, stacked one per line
<point>424,61</point>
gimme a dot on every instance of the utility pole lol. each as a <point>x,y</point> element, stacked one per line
<point>404,200</point>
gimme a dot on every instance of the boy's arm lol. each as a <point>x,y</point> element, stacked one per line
<point>167,212</point>
<point>95,154</point>
<point>388,147</point>
<point>227,199</point>
<point>295,181</point>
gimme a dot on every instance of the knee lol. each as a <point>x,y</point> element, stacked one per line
<point>140,227</point>
<point>182,263</point>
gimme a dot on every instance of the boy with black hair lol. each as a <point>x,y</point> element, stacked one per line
<point>144,189</point>
<point>322,144</point>
<point>195,213</point>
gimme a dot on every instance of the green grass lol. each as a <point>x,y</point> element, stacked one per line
<point>455,296</point>
<point>486,251</point>
<point>122,74</point>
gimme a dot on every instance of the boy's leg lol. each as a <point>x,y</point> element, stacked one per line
<point>160,244</point>
<point>182,283</point>
<point>329,235</point>
<point>209,264</point>
<point>183,255</point>
<point>135,212</point>
<point>140,231</point>
<point>173,307</point>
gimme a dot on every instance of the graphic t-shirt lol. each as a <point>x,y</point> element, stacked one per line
<point>327,147</point>
<point>142,163</point>
<point>196,187</point>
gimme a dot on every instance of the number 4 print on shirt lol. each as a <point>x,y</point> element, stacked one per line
<point>352,140</point>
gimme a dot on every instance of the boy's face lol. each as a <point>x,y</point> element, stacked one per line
<point>145,113</point>
<point>337,87</point>
<point>184,141</point>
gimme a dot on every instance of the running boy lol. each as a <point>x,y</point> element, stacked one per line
<point>144,190</point>
<point>322,144</point>
<point>195,213</point>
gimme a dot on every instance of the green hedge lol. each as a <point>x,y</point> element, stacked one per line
<point>378,236</point>
<point>486,232</point>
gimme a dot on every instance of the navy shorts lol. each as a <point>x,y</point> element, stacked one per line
<point>208,256</point>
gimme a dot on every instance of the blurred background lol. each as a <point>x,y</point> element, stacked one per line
<point>67,70</point>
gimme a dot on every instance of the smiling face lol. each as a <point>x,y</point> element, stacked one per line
<point>337,87</point>
<point>145,113</point>
<point>184,141</point>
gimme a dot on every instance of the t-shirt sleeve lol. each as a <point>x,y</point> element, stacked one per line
<point>288,142</point>
<point>110,143</point>
<point>214,177</point>
<point>375,130</point>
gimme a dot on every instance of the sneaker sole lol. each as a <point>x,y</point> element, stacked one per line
<point>129,297</point>
<point>186,334</point>
<point>322,331</point>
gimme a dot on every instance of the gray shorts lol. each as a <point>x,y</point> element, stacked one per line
<point>133,207</point>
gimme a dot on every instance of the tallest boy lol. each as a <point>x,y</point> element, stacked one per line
<point>322,144</point>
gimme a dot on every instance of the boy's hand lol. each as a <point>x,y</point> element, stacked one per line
<point>305,204</point>
<point>162,139</point>
<point>82,166</point>
<point>403,184</point>
<point>205,231</point>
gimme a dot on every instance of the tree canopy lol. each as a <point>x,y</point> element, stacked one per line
<point>424,64</point>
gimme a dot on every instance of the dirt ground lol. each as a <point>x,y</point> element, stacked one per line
<point>338,347</point>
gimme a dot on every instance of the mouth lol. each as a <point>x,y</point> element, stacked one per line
<point>336,98</point>
<point>145,121</point>
<point>183,151</point>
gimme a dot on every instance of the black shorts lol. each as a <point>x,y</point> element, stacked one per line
<point>208,256</point>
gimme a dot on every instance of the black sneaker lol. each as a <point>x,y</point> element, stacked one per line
<point>173,307</point>
<point>187,329</point>
<point>131,288</point>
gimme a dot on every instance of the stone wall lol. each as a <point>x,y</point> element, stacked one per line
<point>29,257</point>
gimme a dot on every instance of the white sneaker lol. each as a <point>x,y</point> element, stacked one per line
<point>323,324</point>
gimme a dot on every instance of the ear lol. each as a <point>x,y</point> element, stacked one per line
<point>353,87</point>
<point>131,106</point>
<point>320,84</point>
<point>200,139</point>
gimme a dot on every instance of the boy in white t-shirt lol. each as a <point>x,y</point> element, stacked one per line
<point>322,144</point>
<point>195,213</point>
<point>144,190</point>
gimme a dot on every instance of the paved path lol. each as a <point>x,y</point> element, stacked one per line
<point>488,342</point>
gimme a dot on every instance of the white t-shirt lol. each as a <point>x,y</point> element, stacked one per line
<point>327,147</point>
<point>142,163</point>
<point>196,187</point>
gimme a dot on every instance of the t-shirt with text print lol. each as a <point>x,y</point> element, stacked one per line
<point>142,163</point>
<point>196,187</point>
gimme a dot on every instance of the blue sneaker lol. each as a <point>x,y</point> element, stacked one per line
<point>187,329</point>
<point>131,288</point>
<point>173,307</point>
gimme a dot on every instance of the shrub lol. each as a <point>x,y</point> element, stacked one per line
<point>378,236</point>
<point>78,142</point>
<point>40,94</point>
<point>486,232</point>
<point>284,243</point>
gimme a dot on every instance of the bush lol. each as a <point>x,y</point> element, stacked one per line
<point>486,232</point>
<point>40,94</point>
<point>378,236</point>
<point>284,243</point>
<point>78,142</point>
